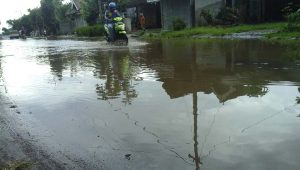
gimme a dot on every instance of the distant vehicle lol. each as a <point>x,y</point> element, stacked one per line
<point>14,34</point>
<point>22,34</point>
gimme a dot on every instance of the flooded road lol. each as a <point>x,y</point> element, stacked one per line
<point>171,104</point>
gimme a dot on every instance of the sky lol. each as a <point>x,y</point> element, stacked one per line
<point>13,9</point>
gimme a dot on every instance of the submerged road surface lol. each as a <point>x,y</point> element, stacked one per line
<point>170,104</point>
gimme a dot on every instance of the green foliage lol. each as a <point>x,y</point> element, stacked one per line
<point>178,24</point>
<point>206,14</point>
<point>5,31</point>
<point>294,21</point>
<point>60,11</point>
<point>222,30</point>
<point>90,11</point>
<point>90,31</point>
<point>48,14</point>
<point>122,4</point>
<point>30,22</point>
<point>289,9</point>
<point>228,16</point>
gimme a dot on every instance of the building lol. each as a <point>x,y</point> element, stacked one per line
<point>260,10</point>
<point>187,10</point>
<point>149,8</point>
<point>75,19</point>
<point>251,11</point>
<point>171,9</point>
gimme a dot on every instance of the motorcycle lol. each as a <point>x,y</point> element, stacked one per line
<point>22,34</point>
<point>119,33</point>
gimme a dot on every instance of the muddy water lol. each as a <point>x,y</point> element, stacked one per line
<point>172,104</point>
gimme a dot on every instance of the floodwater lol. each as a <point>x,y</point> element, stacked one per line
<point>171,104</point>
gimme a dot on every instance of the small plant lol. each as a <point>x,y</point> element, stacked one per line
<point>294,21</point>
<point>228,16</point>
<point>206,14</point>
<point>90,31</point>
<point>289,9</point>
<point>178,24</point>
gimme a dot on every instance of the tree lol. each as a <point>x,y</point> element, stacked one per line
<point>5,31</point>
<point>48,14</point>
<point>90,11</point>
<point>36,19</point>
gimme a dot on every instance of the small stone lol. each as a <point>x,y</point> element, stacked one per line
<point>127,156</point>
<point>13,106</point>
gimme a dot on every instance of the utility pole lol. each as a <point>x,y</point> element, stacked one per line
<point>193,13</point>
<point>100,6</point>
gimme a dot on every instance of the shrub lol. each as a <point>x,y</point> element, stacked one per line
<point>289,9</point>
<point>228,16</point>
<point>178,24</point>
<point>294,21</point>
<point>90,31</point>
<point>206,14</point>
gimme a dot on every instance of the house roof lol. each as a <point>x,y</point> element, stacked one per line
<point>76,4</point>
<point>75,8</point>
<point>138,2</point>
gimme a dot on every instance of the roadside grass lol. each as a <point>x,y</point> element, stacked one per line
<point>90,31</point>
<point>284,35</point>
<point>216,30</point>
<point>16,166</point>
<point>222,30</point>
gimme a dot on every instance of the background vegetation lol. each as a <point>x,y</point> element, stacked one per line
<point>90,31</point>
<point>45,17</point>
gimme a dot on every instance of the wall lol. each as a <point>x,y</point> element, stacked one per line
<point>68,27</point>
<point>152,14</point>
<point>213,5</point>
<point>171,9</point>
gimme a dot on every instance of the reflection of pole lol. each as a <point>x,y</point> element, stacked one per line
<point>195,113</point>
<point>196,157</point>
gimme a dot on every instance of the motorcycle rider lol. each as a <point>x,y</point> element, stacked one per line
<point>22,32</point>
<point>111,13</point>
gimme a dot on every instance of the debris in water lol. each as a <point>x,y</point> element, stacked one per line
<point>127,156</point>
<point>13,106</point>
<point>298,115</point>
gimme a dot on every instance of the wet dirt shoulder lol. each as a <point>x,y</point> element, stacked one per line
<point>21,150</point>
<point>17,149</point>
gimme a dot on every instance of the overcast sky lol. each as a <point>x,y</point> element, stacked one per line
<point>13,9</point>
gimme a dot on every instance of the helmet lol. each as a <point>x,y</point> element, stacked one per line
<point>112,5</point>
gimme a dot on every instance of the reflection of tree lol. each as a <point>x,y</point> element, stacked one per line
<point>2,83</point>
<point>56,63</point>
<point>298,98</point>
<point>117,72</point>
<point>228,69</point>
<point>60,62</point>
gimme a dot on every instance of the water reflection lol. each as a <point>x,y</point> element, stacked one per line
<point>192,103</point>
<point>114,67</point>
<point>117,71</point>
<point>298,98</point>
<point>228,69</point>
